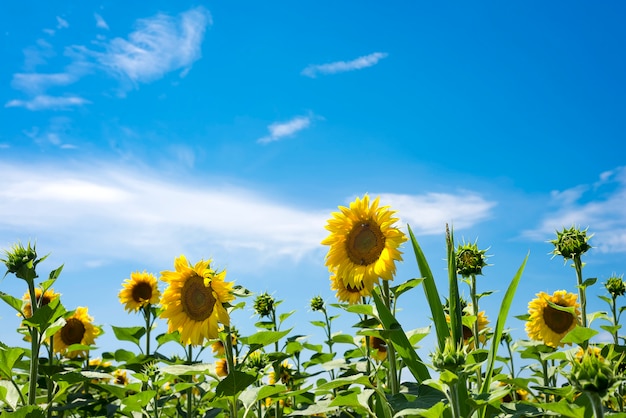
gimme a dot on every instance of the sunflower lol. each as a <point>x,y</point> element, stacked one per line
<point>140,290</point>
<point>363,243</point>
<point>193,301</point>
<point>43,298</point>
<point>348,293</point>
<point>378,347</point>
<point>285,374</point>
<point>221,367</point>
<point>549,324</point>
<point>120,377</point>
<point>468,334</point>
<point>78,329</point>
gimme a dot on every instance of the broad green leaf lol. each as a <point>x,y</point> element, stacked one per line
<point>361,309</point>
<point>138,401</point>
<point>8,358</point>
<point>283,316</point>
<point>436,411</point>
<point>589,282</point>
<point>432,295</point>
<point>579,335</point>
<point>132,334</point>
<point>263,338</point>
<point>234,383</point>
<point>357,379</point>
<point>13,302</point>
<point>184,369</point>
<point>320,324</point>
<point>564,408</point>
<point>46,315</point>
<point>343,339</point>
<point>400,341</point>
<point>253,394</point>
<point>9,394</point>
<point>502,315</point>
<point>53,328</point>
<point>406,286</point>
<point>29,411</point>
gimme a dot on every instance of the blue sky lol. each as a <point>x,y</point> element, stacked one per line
<point>132,133</point>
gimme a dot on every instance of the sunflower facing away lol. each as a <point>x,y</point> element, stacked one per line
<point>549,324</point>
<point>193,301</point>
<point>78,329</point>
<point>347,293</point>
<point>42,297</point>
<point>363,243</point>
<point>468,334</point>
<point>140,290</point>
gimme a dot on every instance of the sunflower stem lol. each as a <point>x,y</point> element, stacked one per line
<point>475,329</point>
<point>147,317</point>
<point>391,352</point>
<point>231,367</point>
<point>578,265</point>
<point>508,347</point>
<point>34,347</point>
<point>454,400</point>
<point>189,390</point>
<point>48,379</point>
<point>596,403</point>
<point>615,320</point>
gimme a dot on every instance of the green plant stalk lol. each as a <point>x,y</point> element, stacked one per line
<point>475,330</point>
<point>615,320</point>
<point>48,380</point>
<point>391,351</point>
<point>578,265</point>
<point>508,347</point>
<point>34,348</point>
<point>454,400</point>
<point>147,317</point>
<point>596,403</point>
<point>231,368</point>
<point>189,390</point>
<point>329,340</point>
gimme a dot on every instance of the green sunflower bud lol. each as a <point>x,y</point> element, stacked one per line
<point>615,286</point>
<point>451,358</point>
<point>470,260</point>
<point>570,243</point>
<point>21,261</point>
<point>592,373</point>
<point>257,361</point>
<point>317,303</point>
<point>264,305</point>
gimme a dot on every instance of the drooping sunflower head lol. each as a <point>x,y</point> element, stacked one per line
<point>78,329</point>
<point>139,290</point>
<point>378,347</point>
<point>285,371</point>
<point>193,302</point>
<point>351,294</point>
<point>43,298</point>
<point>363,243</point>
<point>120,377</point>
<point>548,323</point>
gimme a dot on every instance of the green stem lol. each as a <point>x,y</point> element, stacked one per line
<point>454,401</point>
<point>475,329</point>
<point>147,316</point>
<point>614,311</point>
<point>391,352</point>
<point>596,403</point>
<point>508,346</point>
<point>49,382</point>
<point>329,341</point>
<point>189,390</point>
<point>578,265</point>
<point>34,349</point>
<point>231,368</point>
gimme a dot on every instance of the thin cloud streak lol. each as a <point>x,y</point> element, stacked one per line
<point>599,206</point>
<point>44,102</point>
<point>344,66</point>
<point>160,44</point>
<point>100,22</point>
<point>106,212</point>
<point>280,130</point>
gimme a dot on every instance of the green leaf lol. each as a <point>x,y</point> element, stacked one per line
<point>343,339</point>
<point>361,309</point>
<point>234,383</point>
<point>406,286</point>
<point>263,338</point>
<point>436,411</point>
<point>184,369</point>
<point>502,315</point>
<point>564,408</point>
<point>9,394</point>
<point>358,379</point>
<point>432,295</point>
<point>283,316</point>
<point>589,282</point>
<point>13,302</point>
<point>138,401</point>
<point>46,315</point>
<point>132,334</point>
<point>30,411</point>
<point>54,327</point>
<point>8,358</point>
<point>611,328</point>
<point>400,341</point>
<point>251,395</point>
<point>579,335</point>
<point>320,324</point>
<point>454,300</point>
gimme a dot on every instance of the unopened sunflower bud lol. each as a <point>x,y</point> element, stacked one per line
<point>570,243</point>
<point>451,358</point>
<point>615,286</point>
<point>21,261</point>
<point>317,303</point>
<point>592,373</point>
<point>264,305</point>
<point>470,260</point>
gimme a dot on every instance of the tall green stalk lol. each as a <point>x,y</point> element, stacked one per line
<point>578,266</point>
<point>391,352</point>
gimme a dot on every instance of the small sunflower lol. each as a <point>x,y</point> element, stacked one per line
<point>348,293</point>
<point>120,377</point>
<point>140,290</point>
<point>378,347</point>
<point>78,329</point>
<point>193,301</point>
<point>285,371</point>
<point>43,298</point>
<point>549,324</point>
<point>363,243</point>
<point>468,334</point>
<point>221,367</point>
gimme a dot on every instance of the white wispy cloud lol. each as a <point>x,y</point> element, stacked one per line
<point>429,213</point>
<point>344,66</point>
<point>159,45</point>
<point>599,206</point>
<point>100,22</point>
<point>97,212</point>
<point>62,23</point>
<point>43,102</point>
<point>280,130</point>
<point>35,83</point>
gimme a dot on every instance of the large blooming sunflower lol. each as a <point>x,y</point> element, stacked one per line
<point>347,293</point>
<point>363,243</point>
<point>140,290</point>
<point>549,324</point>
<point>193,301</point>
<point>43,298</point>
<point>78,329</point>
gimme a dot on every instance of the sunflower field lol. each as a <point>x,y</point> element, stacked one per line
<point>375,372</point>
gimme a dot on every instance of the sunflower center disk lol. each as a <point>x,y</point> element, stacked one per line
<point>73,331</point>
<point>365,243</point>
<point>197,299</point>
<point>142,291</point>
<point>558,321</point>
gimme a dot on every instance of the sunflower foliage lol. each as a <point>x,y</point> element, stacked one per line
<point>203,366</point>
